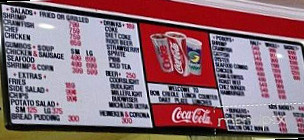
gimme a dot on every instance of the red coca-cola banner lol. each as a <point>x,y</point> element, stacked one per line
<point>188,115</point>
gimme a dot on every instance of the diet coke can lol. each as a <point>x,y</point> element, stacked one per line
<point>177,44</point>
<point>162,51</point>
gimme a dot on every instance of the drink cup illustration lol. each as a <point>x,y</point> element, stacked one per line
<point>177,44</point>
<point>194,49</point>
<point>162,51</point>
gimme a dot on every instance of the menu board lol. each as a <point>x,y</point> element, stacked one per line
<point>87,70</point>
<point>73,70</point>
<point>260,84</point>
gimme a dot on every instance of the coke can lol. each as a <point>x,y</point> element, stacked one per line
<point>162,51</point>
<point>177,44</point>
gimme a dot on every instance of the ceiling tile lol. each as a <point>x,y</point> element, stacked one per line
<point>286,3</point>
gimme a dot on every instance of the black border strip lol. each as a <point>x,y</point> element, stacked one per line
<point>205,87</point>
<point>4,82</point>
<point>165,130</point>
<point>144,74</point>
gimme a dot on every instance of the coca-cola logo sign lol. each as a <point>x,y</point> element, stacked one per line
<point>177,56</point>
<point>197,116</point>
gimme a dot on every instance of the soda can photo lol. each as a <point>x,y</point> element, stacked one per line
<point>194,51</point>
<point>162,51</point>
<point>177,44</point>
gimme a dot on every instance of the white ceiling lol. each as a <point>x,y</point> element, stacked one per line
<point>287,3</point>
<point>291,9</point>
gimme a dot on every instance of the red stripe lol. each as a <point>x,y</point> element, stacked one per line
<point>200,15</point>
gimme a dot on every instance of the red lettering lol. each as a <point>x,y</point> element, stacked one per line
<point>69,85</point>
<point>73,118</point>
<point>130,26</point>
<point>131,75</point>
<point>32,110</point>
<point>57,111</point>
<point>71,98</point>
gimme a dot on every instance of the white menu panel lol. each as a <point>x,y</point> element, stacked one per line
<point>170,94</point>
<point>260,83</point>
<point>65,69</point>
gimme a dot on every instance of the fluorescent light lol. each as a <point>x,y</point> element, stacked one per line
<point>46,26</point>
<point>272,138</point>
<point>279,55</point>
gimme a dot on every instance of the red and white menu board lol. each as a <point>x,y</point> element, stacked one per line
<point>72,68</point>
<point>180,76</point>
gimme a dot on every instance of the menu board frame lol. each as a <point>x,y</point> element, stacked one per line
<point>158,130</point>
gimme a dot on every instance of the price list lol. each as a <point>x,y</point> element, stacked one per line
<point>66,69</point>
<point>259,82</point>
<point>128,100</point>
<point>26,72</point>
